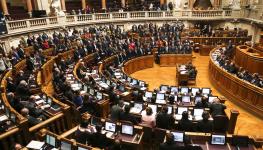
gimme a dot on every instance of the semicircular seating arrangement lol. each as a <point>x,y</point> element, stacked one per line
<point>73,89</point>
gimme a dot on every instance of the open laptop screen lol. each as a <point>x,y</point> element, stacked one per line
<point>206,91</point>
<point>127,129</point>
<point>198,112</point>
<point>65,145</point>
<point>184,90</point>
<point>194,90</point>
<point>180,110</point>
<point>164,88</point>
<point>186,99</point>
<point>148,94</point>
<point>160,96</point>
<point>154,108</point>
<point>217,139</point>
<point>174,89</point>
<point>51,140</point>
<point>178,136</point>
<point>109,126</point>
<point>211,99</point>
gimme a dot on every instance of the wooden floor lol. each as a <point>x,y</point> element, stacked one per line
<point>247,124</point>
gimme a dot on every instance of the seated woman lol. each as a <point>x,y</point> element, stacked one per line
<point>185,124</point>
<point>148,118</point>
<point>205,125</point>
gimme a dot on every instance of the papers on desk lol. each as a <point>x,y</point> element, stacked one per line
<point>178,117</point>
<point>135,110</point>
<point>183,72</point>
<point>3,118</point>
<point>104,85</point>
<point>182,67</point>
<point>75,87</point>
<point>125,93</point>
<point>39,102</point>
<point>198,118</point>
<point>37,97</point>
<point>45,106</point>
<point>143,88</point>
<point>109,134</point>
<point>35,145</point>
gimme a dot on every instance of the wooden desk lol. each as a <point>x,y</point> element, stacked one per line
<point>205,49</point>
<point>242,93</point>
<point>169,60</point>
<point>181,77</point>
<point>137,64</point>
<point>247,57</point>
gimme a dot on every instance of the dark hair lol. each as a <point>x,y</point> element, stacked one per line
<point>98,128</point>
<point>84,123</point>
<point>149,111</point>
<point>169,138</point>
<point>127,108</point>
<point>164,109</point>
<point>205,116</point>
<point>185,115</point>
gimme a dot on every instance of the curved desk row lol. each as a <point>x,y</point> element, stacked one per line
<point>170,60</point>
<point>23,133</point>
<point>137,64</point>
<point>239,91</point>
<point>249,58</point>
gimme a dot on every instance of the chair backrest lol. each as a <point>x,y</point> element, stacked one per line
<point>220,123</point>
<point>159,135</point>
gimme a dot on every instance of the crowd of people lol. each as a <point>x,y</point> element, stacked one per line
<point>103,42</point>
<point>224,60</point>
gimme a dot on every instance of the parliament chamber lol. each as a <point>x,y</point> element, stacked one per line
<point>131,74</point>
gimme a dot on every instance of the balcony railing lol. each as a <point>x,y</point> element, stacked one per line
<point>42,23</point>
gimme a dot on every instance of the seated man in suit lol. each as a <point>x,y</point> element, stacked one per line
<point>116,111</point>
<point>32,120</point>
<point>217,108</point>
<point>22,90</point>
<point>169,143</point>
<point>98,139</point>
<point>164,120</point>
<point>205,125</point>
<point>185,124</point>
<point>34,111</point>
<point>126,116</point>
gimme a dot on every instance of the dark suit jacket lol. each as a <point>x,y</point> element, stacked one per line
<point>128,117</point>
<point>205,126</point>
<point>33,121</point>
<point>99,140</point>
<point>217,109</point>
<point>164,121</point>
<point>185,125</point>
<point>170,146</point>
